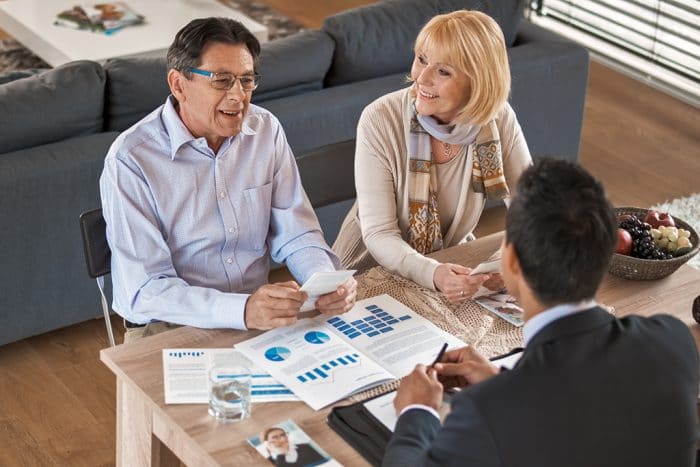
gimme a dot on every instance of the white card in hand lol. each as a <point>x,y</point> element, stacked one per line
<point>487,267</point>
<point>321,283</point>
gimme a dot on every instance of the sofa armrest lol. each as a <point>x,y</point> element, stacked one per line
<point>44,191</point>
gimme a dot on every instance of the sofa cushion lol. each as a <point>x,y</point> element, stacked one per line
<point>135,86</point>
<point>378,39</point>
<point>293,65</point>
<point>330,115</point>
<point>60,103</point>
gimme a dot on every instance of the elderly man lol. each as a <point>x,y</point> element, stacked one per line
<point>590,389</point>
<point>200,191</point>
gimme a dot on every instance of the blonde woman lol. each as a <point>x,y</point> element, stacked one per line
<point>429,156</point>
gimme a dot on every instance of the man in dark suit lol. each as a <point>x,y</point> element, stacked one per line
<point>590,389</point>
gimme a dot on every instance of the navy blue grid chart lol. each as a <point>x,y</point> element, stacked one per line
<point>374,323</point>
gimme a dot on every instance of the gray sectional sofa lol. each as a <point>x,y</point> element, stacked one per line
<point>56,127</point>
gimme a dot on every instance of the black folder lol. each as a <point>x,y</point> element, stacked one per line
<point>356,425</point>
<point>367,435</point>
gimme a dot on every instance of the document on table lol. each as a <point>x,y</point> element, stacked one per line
<point>323,360</point>
<point>382,408</point>
<point>185,378</point>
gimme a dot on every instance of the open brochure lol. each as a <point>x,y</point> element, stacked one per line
<point>504,306</point>
<point>105,17</point>
<point>284,443</point>
<point>185,377</point>
<point>323,360</point>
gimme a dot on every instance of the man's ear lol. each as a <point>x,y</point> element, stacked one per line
<point>176,83</point>
<point>510,265</point>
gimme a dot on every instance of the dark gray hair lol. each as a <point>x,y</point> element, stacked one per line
<point>564,231</point>
<point>186,50</point>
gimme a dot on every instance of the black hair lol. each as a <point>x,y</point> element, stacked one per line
<point>563,229</point>
<point>186,50</point>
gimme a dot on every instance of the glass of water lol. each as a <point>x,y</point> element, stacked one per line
<point>229,393</point>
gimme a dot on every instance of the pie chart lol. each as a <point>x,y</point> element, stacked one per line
<point>316,337</point>
<point>277,354</point>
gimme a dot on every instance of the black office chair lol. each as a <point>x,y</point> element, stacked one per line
<point>97,256</point>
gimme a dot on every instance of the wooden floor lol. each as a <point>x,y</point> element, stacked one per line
<point>58,401</point>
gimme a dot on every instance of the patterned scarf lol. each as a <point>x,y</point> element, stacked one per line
<point>425,231</point>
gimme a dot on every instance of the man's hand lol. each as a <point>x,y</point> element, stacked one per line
<point>421,386</point>
<point>455,282</point>
<point>339,301</point>
<point>274,305</point>
<point>462,367</point>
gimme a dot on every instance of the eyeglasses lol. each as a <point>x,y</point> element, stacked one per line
<point>225,81</point>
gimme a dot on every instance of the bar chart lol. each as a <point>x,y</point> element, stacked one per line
<point>326,370</point>
<point>376,322</point>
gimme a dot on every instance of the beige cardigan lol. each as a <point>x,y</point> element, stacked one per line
<point>379,218</point>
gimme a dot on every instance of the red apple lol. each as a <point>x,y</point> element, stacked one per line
<point>624,242</point>
<point>656,219</point>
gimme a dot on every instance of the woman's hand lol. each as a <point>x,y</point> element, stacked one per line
<point>455,282</point>
<point>495,283</point>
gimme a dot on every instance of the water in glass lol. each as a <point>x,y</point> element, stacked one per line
<point>229,393</point>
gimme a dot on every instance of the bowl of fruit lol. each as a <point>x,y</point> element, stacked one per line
<point>651,244</point>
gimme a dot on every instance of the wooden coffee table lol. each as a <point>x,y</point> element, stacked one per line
<point>149,431</point>
<point>31,23</point>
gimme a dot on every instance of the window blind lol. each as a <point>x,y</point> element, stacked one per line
<point>664,32</point>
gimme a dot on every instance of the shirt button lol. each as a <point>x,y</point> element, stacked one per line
<point>231,230</point>
<point>222,195</point>
<point>229,260</point>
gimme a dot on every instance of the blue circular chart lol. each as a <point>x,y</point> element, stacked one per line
<point>316,337</point>
<point>277,354</point>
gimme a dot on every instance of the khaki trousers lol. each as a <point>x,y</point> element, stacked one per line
<point>151,329</point>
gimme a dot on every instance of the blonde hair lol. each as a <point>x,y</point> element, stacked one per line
<point>472,43</point>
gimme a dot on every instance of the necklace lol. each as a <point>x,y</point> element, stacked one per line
<point>446,150</point>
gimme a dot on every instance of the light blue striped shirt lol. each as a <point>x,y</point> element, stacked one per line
<point>190,230</point>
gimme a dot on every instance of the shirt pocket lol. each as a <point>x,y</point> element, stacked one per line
<point>258,204</point>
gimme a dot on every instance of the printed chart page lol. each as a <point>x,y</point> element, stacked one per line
<point>391,334</point>
<point>185,377</point>
<point>317,365</point>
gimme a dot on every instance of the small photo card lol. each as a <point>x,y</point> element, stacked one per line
<point>285,444</point>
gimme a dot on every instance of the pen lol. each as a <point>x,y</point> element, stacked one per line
<point>440,354</point>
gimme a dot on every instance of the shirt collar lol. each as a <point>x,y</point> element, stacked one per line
<point>542,319</point>
<point>179,134</point>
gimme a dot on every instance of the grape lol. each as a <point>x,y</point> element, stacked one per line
<point>671,239</point>
<point>647,242</point>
